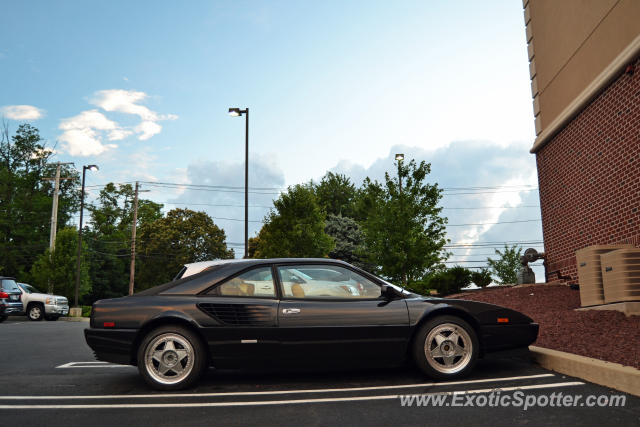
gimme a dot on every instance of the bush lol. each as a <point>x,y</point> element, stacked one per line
<point>86,311</point>
<point>421,287</point>
<point>450,281</point>
<point>482,277</point>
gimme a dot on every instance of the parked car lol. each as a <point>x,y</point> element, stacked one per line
<point>251,313</point>
<point>9,297</point>
<point>38,305</point>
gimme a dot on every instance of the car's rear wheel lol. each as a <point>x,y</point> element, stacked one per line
<point>35,312</point>
<point>3,318</point>
<point>446,347</point>
<point>171,358</point>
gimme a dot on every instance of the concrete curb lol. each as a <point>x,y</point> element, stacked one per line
<point>608,374</point>
<point>74,319</point>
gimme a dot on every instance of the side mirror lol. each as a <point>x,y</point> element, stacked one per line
<point>388,292</point>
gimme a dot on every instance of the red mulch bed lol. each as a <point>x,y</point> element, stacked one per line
<point>606,335</point>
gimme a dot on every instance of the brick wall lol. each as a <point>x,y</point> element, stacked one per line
<point>589,177</point>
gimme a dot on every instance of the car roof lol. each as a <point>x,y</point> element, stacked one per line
<point>256,261</point>
<point>7,277</point>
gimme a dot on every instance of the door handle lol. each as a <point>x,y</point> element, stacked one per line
<point>290,311</point>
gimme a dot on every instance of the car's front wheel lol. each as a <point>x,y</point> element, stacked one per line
<point>3,318</point>
<point>446,347</point>
<point>171,358</point>
<point>35,312</point>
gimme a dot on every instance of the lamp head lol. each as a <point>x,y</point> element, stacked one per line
<point>399,157</point>
<point>234,112</point>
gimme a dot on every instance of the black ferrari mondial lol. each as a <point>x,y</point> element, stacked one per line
<point>295,312</point>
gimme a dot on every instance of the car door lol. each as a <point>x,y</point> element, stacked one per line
<point>244,318</point>
<point>340,318</point>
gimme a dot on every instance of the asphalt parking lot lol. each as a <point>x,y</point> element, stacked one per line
<point>49,377</point>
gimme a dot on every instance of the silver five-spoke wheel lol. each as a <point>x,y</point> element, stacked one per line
<point>169,358</point>
<point>448,348</point>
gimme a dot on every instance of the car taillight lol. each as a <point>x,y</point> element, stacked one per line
<point>4,295</point>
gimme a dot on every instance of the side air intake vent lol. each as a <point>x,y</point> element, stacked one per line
<point>240,314</point>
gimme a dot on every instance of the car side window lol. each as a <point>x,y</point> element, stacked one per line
<point>317,281</point>
<point>257,282</point>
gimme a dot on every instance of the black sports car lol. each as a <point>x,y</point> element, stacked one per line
<point>295,312</point>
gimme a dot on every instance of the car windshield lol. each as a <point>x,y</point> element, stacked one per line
<point>9,285</point>
<point>28,288</point>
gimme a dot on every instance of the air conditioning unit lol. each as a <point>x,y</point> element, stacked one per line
<point>590,274</point>
<point>621,275</point>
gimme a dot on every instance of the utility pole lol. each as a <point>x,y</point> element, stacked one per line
<point>132,272</point>
<point>399,159</point>
<point>54,211</point>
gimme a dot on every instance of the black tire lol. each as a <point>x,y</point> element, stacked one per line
<point>436,366</point>
<point>197,365</point>
<point>51,318</point>
<point>35,312</point>
<point>3,318</point>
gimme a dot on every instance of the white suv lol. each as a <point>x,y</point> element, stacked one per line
<point>38,305</point>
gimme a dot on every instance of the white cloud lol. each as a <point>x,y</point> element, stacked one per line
<point>147,129</point>
<point>124,101</point>
<point>82,134</point>
<point>22,112</point>
<point>128,102</point>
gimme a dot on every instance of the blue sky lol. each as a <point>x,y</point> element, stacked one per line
<point>142,89</point>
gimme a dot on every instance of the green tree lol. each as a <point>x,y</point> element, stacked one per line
<point>296,227</point>
<point>57,270</point>
<point>181,237</point>
<point>254,244</point>
<point>26,198</point>
<point>348,238</point>
<point>482,277</point>
<point>109,239</point>
<point>506,267</point>
<point>336,195</point>
<point>404,230</point>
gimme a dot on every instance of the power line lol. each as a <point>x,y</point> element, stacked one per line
<point>494,223</point>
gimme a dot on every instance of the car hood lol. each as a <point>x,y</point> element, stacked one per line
<point>39,295</point>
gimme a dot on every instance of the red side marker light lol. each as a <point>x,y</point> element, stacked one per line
<point>109,324</point>
<point>503,320</point>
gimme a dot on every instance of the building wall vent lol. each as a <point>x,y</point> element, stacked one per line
<point>590,274</point>
<point>621,275</point>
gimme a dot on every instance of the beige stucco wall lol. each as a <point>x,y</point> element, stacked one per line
<point>570,43</point>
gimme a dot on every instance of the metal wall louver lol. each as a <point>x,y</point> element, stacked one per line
<point>621,275</point>
<point>590,274</point>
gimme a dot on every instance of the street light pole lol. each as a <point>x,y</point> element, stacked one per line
<point>235,112</point>
<point>79,254</point>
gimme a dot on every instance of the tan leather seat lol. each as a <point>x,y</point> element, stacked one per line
<point>297,290</point>
<point>247,289</point>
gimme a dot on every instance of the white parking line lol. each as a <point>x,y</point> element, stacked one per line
<point>260,393</point>
<point>276,402</point>
<point>91,365</point>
